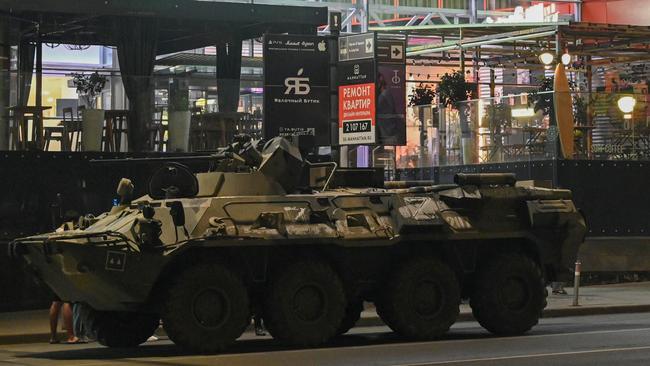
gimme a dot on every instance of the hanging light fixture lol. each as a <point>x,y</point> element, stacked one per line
<point>566,59</point>
<point>546,58</point>
<point>626,105</point>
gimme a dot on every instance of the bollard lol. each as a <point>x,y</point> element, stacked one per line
<point>576,284</point>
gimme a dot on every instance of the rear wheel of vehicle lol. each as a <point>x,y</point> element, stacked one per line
<point>305,304</point>
<point>351,317</point>
<point>207,308</point>
<point>122,329</point>
<point>509,294</point>
<point>421,300</point>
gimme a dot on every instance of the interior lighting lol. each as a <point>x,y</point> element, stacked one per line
<point>522,112</point>
<point>626,105</point>
<point>546,58</point>
<point>566,59</point>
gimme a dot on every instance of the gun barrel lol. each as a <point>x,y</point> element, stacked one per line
<point>217,156</point>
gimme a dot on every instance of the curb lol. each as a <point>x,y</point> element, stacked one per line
<point>373,321</point>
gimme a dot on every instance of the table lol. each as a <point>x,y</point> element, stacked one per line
<point>21,116</point>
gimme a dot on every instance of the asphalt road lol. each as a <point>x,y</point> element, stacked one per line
<point>622,339</point>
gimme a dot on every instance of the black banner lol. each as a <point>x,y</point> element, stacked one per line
<point>391,92</point>
<point>296,87</point>
<point>356,72</point>
<point>391,104</point>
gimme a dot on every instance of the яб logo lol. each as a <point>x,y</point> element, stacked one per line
<point>322,46</point>
<point>297,85</point>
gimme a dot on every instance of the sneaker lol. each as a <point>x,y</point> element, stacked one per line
<point>153,338</point>
<point>259,331</point>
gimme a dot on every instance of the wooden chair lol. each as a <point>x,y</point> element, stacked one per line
<point>73,129</point>
<point>56,133</point>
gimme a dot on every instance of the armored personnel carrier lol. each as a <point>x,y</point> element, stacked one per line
<point>264,232</point>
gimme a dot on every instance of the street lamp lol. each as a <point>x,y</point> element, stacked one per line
<point>626,105</point>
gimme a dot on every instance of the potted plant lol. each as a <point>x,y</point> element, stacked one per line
<point>452,91</point>
<point>179,118</point>
<point>422,102</point>
<point>89,86</point>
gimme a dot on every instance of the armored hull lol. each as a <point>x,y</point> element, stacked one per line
<point>206,252</point>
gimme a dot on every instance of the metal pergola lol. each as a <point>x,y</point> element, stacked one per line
<point>518,45</point>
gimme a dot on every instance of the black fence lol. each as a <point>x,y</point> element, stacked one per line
<point>613,195</point>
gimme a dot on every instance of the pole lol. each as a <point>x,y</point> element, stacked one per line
<point>462,52</point>
<point>576,283</point>
<point>492,83</point>
<point>38,116</point>
<point>335,31</point>
<point>5,81</point>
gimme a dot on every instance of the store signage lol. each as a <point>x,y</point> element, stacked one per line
<point>357,114</point>
<point>391,51</point>
<point>356,72</point>
<point>357,47</point>
<point>296,83</point>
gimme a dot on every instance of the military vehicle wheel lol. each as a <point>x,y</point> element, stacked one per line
<point>122,329</point>
<point>207,308</point>
<point>351,317</point>
<point>509,295</point>
<point>305,304</point>
<point>421,300</point>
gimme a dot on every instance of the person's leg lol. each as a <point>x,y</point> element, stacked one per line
<point>77,324</point>
<point>259,326</point>
<point>55,308</point>
<point>67,320</point>
<point>86,326</point>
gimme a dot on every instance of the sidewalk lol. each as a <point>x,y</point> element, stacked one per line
<point>32,326</point>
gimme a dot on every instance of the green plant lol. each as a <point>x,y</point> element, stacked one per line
<point>579,110</point>
<point>453,89</point>
<point>542,99</point>
<point>422,95</point>
<point>498,117</point>
<point>89,86</point>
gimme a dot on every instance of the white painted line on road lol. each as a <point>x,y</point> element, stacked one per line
<point>508,338</point>
<point>534,355</point>
<point>328,349</point>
